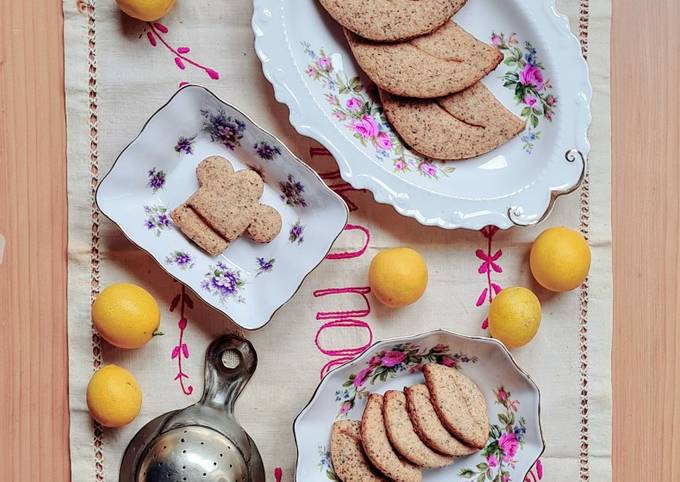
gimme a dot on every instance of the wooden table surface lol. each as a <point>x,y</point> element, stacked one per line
<point>646,219</point>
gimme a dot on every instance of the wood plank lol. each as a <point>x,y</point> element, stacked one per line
<point>646,155</point>
<point>34,412</point>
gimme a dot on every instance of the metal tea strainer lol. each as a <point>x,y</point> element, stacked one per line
<point>203,442</point>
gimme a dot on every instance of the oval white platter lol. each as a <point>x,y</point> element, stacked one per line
<point>515,440</point>
<point>156,172</point>
<point>543,78</point>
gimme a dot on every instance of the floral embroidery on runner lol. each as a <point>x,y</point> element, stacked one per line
<point>488,266</point>
<point>155,34</point>
<point>181,350</point>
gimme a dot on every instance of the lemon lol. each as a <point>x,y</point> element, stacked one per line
<point>126,315</point>
<point>560,259</point>
<point>113,396</point>
<point>147,10</point>
<point>398,276</point>
<point>514,316</point>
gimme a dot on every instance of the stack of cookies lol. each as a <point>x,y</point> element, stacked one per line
<point>424,427</point>
<point>226,205</point>
<point>428,71</point>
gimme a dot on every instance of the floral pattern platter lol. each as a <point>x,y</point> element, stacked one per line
<point>543,79</point>
<point>157,171</point>
<point>515,440</point>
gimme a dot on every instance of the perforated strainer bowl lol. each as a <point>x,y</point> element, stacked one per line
<point>203,442</point>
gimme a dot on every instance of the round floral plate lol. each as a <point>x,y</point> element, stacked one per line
<point>515,440</point>
<point>156,172</point>
<point>543,79</point>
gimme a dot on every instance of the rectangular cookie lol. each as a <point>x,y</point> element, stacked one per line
<point>198,231</point>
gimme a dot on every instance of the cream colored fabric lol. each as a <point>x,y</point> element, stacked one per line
<point>131,79</point>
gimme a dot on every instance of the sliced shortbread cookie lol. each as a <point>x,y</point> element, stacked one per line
<point>377,445</point>
<point>391,20</point>
<point>197,230</point>
<point>459,403</point>
<point>349,461</point>
<point>403,436</point>
<point>428,426</point>
<point>445,61</point>
<point>462,125</point>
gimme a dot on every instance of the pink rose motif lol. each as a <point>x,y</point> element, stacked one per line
<point>428,169</point>
<point>325,64</point>
<point>361,377</point>
<point>354,103</point>
<point>374,361</point>
<point>311,71</point>
<point>345,407</point>
<point>551,100</point>
<point>384,141</point>
<point>366,127</point>
<point>529,100</point>
<point>531,75</point>
<point>400,165</point>
<point>449,362</point>
<point>340,115</point>
<point>492,461</point>
<point>393,358</point>
<point>495,40</point>
<point>440,347</point>
<point>505,477</point>
<point>508,445</point>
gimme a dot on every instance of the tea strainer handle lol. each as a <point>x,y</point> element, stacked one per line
<point>230,361</point>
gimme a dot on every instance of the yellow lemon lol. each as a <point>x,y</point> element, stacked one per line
<point>147,10</point>
<point>560,259</point>
<point>514,316</point>
<point>126,315</point>
<point>113,396</point>
<point>398,276</point>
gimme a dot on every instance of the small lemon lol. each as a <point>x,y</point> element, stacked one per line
<point>113,396</point>
<point>147,10</point>
<point>398,276</point>
<point>126,315</point>
<point>560,259</point>
<point>514,316</point>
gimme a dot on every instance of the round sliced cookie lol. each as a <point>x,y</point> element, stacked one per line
<point>445,61</point>
<point>403,436</point>
<point>377,445</point>
<point>460,126</point>
<point>391,20</point>
<point>459,403</point>
<point>427,425</point>
<point>349,461</point>
<point>266,225</point>
<point>213,168</point>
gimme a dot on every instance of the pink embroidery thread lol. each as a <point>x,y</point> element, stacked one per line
<point>156,32</point>
<point>341,187</point>
<point>346,319</point>
<point>536,472</point>
<point>278,474</point>
<point>353,254</point>
<point>361,291</point>
<point>181,350</point>
<point>489,265</point>
<point>344,323</point>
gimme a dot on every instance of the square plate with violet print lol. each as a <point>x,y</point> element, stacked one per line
<point>156,172</point>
